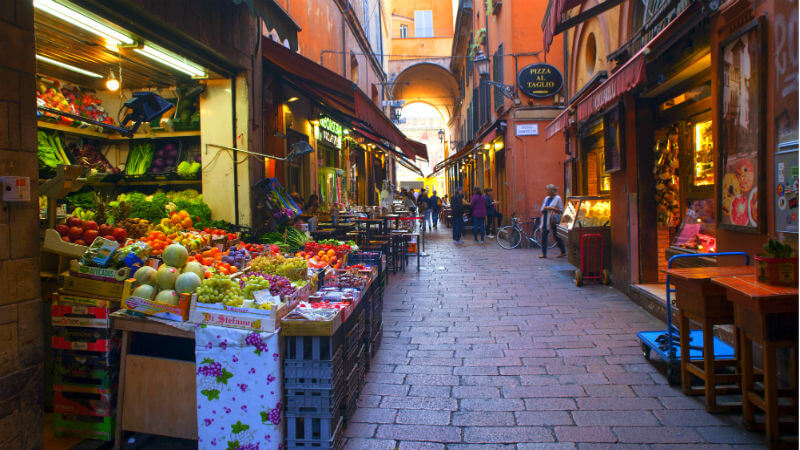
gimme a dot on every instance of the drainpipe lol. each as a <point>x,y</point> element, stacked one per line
<point>344,43</point>
<point>235,154</point>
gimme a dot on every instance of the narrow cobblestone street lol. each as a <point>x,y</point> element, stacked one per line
<point>488,348</point>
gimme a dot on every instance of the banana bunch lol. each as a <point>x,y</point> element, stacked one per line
<point>83,214</point>
<point>167,227</point>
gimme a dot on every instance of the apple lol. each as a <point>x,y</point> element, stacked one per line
<point>75,233</point>
<point>74,221</point>
<point>80,242</point>
<point>62,229</point>
<point>120,234</point>
<point>109,237</point>
<point>89,235</point>
<point>105,230</point>
<point>89,225</point>
<point>66,239</point>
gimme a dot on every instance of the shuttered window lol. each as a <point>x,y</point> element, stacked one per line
<point>423,23</point>
<point>497,75</point>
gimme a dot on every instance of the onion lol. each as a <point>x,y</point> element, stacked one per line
<point>169,163</point>
<point>197,158</point>
<point>160,153</point>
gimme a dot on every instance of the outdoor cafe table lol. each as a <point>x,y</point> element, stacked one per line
<point>766,315</point>
<point>703,302</point>
<point>407,235</point>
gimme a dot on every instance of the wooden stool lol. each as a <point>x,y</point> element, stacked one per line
<point>765,315</point>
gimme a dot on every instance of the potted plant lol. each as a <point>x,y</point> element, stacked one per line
<point>777,266</point>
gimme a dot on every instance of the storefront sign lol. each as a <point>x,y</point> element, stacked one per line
<point>540,80</point>
<point>527,129</point>
<point>330,132</point>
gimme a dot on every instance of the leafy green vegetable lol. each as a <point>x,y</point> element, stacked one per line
<point>85,200</point>
<point>152,210</point>
<point>776,249</point>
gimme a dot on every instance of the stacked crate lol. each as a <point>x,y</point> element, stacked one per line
<point>355,357</point>
<point>86,362</point>
<point>314,382</point>
<point>373,300</point>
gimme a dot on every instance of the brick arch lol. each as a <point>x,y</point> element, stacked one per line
<point>428,82</point>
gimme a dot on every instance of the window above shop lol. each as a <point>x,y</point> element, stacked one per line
<point>403,31</point>
<point>423,24</point>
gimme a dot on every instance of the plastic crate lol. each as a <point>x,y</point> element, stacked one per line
<point>314,401</point>
<point>376,340</point>
<point>304,374</point>
<point>88,427</point>
<point>355,337</point>
<point>355,381</point>
<point>311,348</point>
<point>318,433</point>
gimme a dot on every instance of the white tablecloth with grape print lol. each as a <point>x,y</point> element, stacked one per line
<point>239,389</point>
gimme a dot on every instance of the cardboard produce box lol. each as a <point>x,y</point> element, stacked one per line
<point>91,287</point>
<point>267,320</point>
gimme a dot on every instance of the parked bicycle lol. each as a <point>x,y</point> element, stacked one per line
<point>510,236</point>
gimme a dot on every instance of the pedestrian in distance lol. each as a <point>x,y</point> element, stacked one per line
<point>435,204</point>
<point>552,208</point>
<point>478,204</point>
<point>457,208</point>
<point>424,206</point>
<point>493,216</point>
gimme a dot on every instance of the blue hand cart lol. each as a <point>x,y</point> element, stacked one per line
<point>666,343</point>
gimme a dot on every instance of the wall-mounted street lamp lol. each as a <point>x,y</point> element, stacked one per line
<point>441,136</point>
<point>482,65</point>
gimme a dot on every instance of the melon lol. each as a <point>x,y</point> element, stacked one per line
<point>166,276</point>
<point>175,255</point>
<point>739,210</point>
<point>167,296</point>
<point>145,291</point>
<point>196,268</point>
<point>187,282</point>
<point>145,275</point>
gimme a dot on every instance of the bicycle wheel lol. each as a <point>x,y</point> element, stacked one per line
<point>508,237</point>
<point>537,238</point>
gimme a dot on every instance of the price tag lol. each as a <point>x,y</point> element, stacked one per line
<point>79,309</point>
<point>264,296</point>
<point>80,346</point>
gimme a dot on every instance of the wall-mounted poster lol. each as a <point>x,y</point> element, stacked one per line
<point>741,133</point>
<point>786,187</point>
<point>613,142</point>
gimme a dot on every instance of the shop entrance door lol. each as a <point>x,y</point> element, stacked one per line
<point>500,177</point>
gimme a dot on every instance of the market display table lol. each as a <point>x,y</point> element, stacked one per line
<point>766,315</point>
<point>157,395</point>
<point>700,301</point>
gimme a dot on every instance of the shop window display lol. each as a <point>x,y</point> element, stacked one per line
<point>589,212</point>
<point>698,228</point>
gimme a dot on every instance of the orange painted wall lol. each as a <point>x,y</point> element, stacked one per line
<point>403,13</point>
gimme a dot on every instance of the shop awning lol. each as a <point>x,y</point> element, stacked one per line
<point>340,94</point>
<point>558,124</point>
<point>628,76</point>
<point>452,159</point>
<point>385,145</point>
<point>555,23</point>
<point>623,80</point>
<point>369,113</point>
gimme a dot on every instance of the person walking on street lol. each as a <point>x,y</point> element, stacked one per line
<point>435,204</point>
<point>424,207</point>
<point>552,207</point>
<point>478,204</point>
<point>457,207</point>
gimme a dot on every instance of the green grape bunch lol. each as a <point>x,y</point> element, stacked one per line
<point>220,289</point>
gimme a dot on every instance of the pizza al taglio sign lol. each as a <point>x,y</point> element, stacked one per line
<point>540,80</point>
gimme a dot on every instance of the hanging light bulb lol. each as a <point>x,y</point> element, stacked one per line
<point>112,84</point>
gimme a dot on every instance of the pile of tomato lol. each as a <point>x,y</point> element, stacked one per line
<point>216,233</point>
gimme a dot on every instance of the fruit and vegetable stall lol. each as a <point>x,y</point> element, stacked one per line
<point>288,305</point>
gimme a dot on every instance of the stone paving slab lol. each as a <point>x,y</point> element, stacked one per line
<point>487,348</point>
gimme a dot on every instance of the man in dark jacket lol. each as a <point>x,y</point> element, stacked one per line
<point>433,204</point>
<point>457,207</point>
<point>492,214</point>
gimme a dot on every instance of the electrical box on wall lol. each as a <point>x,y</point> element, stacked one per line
<point>16,189</point>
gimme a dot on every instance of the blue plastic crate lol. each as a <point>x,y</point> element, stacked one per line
<point>318,433</point>
<point>313,374</point>
<point>314,401</point>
